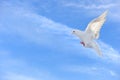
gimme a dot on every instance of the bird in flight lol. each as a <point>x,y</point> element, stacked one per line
<point>91,33</point>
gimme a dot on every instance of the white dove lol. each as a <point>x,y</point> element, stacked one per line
<point>91,33</point>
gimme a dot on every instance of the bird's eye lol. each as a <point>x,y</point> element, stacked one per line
<point>73,31</point>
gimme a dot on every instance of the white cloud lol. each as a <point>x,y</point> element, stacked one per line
<point>13,76</point>
<point>90,70</point>
<point>80,69</point>
<point>112,73</point>
<point>96,7</point>
<point>41,30</point>
<point>18,69</point>
<point>92,6</point>
<point>109,54</point>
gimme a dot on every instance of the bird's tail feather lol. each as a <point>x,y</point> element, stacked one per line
<point>97,49</point>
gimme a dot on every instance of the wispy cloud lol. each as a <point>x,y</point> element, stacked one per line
<point>113,73</point>
<point>18,69</point>
<point>94,71</point>
<point>44,31</point>
<point>40,29</point>
<point>91,6</point>
<point>13,76</point>
<point>110,54</point>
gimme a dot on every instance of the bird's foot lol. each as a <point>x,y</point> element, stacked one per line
<point>82,43</point>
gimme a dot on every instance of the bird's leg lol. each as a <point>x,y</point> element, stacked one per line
<point>82,43</point>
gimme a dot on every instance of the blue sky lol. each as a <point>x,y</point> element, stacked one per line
<point>36,41</point>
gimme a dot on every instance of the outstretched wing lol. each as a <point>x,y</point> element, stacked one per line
<point>95,25</point>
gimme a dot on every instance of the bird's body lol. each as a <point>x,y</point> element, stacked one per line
<point>91,33</point>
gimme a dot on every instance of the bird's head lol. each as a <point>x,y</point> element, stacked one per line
<point>78,33</point>
<point>74,31</point>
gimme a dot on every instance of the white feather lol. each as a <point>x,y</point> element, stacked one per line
<point>95,25</point>
<point>91,33</point>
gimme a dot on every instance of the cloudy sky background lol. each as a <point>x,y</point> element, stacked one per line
<point>36,41</point>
